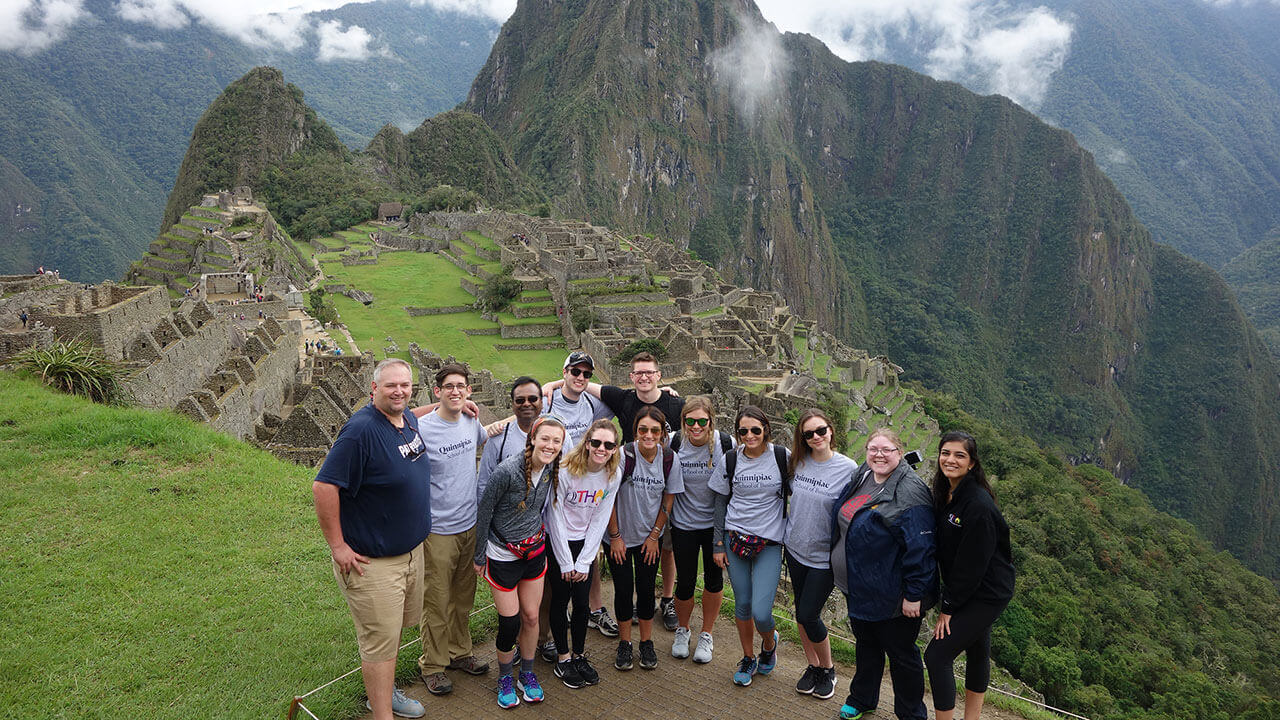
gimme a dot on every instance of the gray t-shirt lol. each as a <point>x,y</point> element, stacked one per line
<point>693,509</point>
<point>814,490</point>
<point>640,496</point>
<point>500,447</point>
<point>867,491</point>
<point>577,416</point>
<point>755,505</point>
<point>451,448</point>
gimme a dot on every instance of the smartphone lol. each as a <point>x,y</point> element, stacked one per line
<point>914,458</point>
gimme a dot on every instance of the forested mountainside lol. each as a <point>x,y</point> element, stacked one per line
<point>978,246</point>
<point>92,127</point>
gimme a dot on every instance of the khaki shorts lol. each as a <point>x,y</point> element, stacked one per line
<point>383,601</point>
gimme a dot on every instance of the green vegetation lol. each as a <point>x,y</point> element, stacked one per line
<point>321,307</point>
<point>75,367</point>
<point>650,345</point>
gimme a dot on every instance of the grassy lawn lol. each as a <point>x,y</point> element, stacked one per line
<point>480,241</point>
<point>509,319</point>
<point>404,278</point>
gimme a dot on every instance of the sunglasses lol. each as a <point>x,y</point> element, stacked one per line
<point>648,431</point>
<point>755,430</point>
<point>700,422</point>
<point>820,432</point>
<point>526,399</point>
<point>594,443</point>
<point>580,373</point>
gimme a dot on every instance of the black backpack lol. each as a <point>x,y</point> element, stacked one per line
<point>726,442</point>
<point>629,462</point>
<point>779,456</point>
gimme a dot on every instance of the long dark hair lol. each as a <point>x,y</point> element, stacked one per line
<point>652,413</point>
<point>755,413</point>
<point>941,485</point>
<point>800,447</point>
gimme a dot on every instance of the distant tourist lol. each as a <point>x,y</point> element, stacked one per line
<point>582,501</point>
<point>23,317</point>
<point>513,556</point>
<point>750,520</point>
<point>819,476</point>
<point>373,500</point>
<point>40,270</point>
<point>977,575</point>
<point>699,448</point>
<point>882,558</point>
<point>650,479</point>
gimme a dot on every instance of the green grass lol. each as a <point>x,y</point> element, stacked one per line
<point>710,313</point>
<point>404,278</point>
<point>481,241</point>
<point>509,319</point>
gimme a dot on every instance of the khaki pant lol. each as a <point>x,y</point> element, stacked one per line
<point>383,601</point>
<point>448,595</point>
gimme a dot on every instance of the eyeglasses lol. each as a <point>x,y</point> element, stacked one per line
<point>700,422</point>
<point>881,451</point>
<point>754,430</point>
<point>819,431</point>
<point>643,373</point>
<point>526,400</point>
<point>648,431</point>
<point>580,373</point>
<point>451,387</point>
<point>597,443</point>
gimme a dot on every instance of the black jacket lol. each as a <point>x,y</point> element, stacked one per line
<point>973,550</point>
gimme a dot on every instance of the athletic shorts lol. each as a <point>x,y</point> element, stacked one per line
<point>506,574</point>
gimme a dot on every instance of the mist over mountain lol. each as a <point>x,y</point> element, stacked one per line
<point>94,125</point>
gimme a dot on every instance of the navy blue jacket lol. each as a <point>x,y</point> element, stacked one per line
<point>889,548</point>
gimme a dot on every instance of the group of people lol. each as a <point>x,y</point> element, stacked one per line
<point>412,521</point>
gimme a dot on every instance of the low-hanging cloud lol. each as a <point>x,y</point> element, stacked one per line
<point>28,26</point>
<point>336,43</point>
<point>260,23</point>
<point>989,45</point>
<point>498,10</point>
<point>752,67</point>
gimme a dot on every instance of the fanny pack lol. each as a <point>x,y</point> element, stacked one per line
<point>529,548</point>
<point>746,546</point>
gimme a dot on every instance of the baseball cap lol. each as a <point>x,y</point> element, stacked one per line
<point>579,357</point>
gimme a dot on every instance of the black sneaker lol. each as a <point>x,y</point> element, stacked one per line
<point>808,680</point>
<point>623,659</point>
<point>602,621</point>
<point>549,652</point>
<point>588,673</point>
<point>669,619</point>
<point>648,657</point>
<point>567,671</point>
<point>825,685</point>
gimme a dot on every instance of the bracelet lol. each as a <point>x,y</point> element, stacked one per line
<point>615,535</point>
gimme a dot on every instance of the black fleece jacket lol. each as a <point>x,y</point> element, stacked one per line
<point>973,550</point>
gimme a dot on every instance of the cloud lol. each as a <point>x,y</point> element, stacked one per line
<point>28,26</point>
<point>137,44</point>
<point>277,24</point>
<point>753,67</point>
<point>163,14</point>
<point>338,44</point>
<point>989,45</point>
<point>498,10</point>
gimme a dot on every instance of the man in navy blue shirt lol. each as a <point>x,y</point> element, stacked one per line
<point>373,499</point>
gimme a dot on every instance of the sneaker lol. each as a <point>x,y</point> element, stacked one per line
<point>602,621</point>
<point>529,687</point>
<point>768,659</point>
<point>669,618</point>
<point>705,645</point>
<point>680,645</point>
<point>808,680</point>
<point>746,668</point>
<point>549,652</point>
<point>825,683</point>
<point>849,712</point>
<point>469,665</point>
<point>438,683</point>
<point>588,673</point>
<point>507,697</point>
<point>402,705</point>
<point>623,660</point>
<point>648,657</point>
<point>567,671</point>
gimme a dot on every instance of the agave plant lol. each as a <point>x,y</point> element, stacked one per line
<point>75,367</point>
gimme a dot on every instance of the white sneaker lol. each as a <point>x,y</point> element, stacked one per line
<point>703,653</point>
<point>680,646</point>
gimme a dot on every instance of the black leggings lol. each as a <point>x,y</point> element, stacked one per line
<point>561,592</point>
<point>895,638</point>
<point>811,586</point>
<point>971,635</point>
<point>686,544</point>
<point>633,582</point>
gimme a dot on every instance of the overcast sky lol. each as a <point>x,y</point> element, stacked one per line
<point>1007,46</point>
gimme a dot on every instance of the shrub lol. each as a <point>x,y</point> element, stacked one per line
<point>650,345</point>
<point>77,368</point>
<point>583,317</point>
<point>322,308</point>
<point>499,291</point>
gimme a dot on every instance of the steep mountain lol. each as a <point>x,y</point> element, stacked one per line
<point>1255,276</point>
<point>98,122</point>
<point>977,246</point>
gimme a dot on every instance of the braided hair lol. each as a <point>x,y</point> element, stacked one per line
<point>553,421</point>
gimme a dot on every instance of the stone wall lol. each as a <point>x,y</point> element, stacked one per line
<point>270,308</point>
<point>447,310</point>
<point>271,378</point>
<point>108,316</point>
<point>531,330</point>
<point>181,365</point>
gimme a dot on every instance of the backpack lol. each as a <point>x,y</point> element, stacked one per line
<point>585,396</point>
<point>629,462</point>
<point>779,456</point>
<point>726,443</point>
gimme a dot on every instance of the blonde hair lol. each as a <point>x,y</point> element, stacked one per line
<point>886,433</point>
<point>576,461</point>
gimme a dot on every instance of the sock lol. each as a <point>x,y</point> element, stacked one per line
<point>667,600</point>
<point>504,668</point>
<point>526,665</point>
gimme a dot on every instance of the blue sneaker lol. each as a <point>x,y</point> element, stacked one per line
<point>768,659</point>
<point>507,697</point>
<point>746,668</point>
<point>849,712</point>
<point>528,685</point>
<point>402,705</point>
